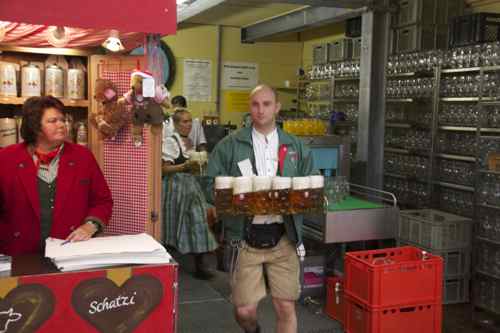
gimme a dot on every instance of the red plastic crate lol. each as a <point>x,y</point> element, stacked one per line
<point>416,318</point>
<point>395,276</point>
<point>335,304</point>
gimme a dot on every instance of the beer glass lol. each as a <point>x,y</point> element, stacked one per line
<point>299,196</point>
<point>261,197</point>
<point>316,195</point>
<point>224,195</point>
<point>242,195</point>
<point>280,191</point>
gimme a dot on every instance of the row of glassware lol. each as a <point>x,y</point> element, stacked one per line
<point>347,90</point>
<point>410,88</point>
<point>489,190</point>
<point>348,68</point>
<point>57,83</point>
<point>408,192</point>
<point>263,195</point>
<point>456,201</point>
<point>489,224</point>
<point>406,165</point>
<point>462,57</point>
<point>407,139</point>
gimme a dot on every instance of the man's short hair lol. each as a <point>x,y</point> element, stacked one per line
<point>176,117</point>
<point>262,87</point>
<point>179,101</point>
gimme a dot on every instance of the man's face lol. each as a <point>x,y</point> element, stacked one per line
<point>264,108</point>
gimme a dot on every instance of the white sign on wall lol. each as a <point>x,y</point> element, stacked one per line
<point>239,75</point>
<point>197,80</point>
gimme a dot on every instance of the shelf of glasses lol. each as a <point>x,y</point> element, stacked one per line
<point>398,125</point>
<point>399,100</point>
<point>490,172</point>
<point>490,130</point>
<point>319,80</point>
<point>461,70</point>
<point>487,274</point>
<point>345,100</point>
<point>486,101</point>
<point>483,239</point>
<point>457,128</point>
<point>490,68</point>
<point>396,150</point>
<point>457,157</point>
<point>489,206</point>
<point>319,102</point>
<point>405,177</point>
<point>347,78</point>
<point>455,186</point>
<point>459,99</point>
<point>410,74</point>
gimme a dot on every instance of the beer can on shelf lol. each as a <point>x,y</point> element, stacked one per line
<point>8,80</point>
<point>280,194</point>
<point>224,195</point>
<point>54,81</point>
<point>242,195</point>
<point>76,83</point>
<point>261,203</point>
<point>31,81</point>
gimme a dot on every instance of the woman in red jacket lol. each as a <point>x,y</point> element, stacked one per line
<point>49,187</point>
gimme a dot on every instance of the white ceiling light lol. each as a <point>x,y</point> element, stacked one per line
<point>113,42</point>
<point>58,36</point>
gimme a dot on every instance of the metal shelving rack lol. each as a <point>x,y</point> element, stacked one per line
<point>348,127</point>
<point>406,104</point>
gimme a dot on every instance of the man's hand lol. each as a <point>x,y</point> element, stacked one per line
<point>83,233</point>
<point>191,166</point>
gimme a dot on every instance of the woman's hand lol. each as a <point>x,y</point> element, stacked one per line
<point>83,233</point>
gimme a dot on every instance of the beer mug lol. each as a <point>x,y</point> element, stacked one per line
<point>242,195</point>
<point>316,195</point>
<point>261,197</point>
<point>224,195</point>
<point>299,196</point>
<point>280,191</point>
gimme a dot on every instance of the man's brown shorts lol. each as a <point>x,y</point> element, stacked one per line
<point>282,267</point>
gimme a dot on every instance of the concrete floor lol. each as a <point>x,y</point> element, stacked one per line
<point>204,307</point>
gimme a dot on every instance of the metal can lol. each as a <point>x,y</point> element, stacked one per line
<point>76,83</point>
<point>81,134</point>
<point>54,81</point>
<point>30,81</point>
<point>8,81</point>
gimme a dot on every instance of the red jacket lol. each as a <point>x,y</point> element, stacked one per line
<point>81,192</point>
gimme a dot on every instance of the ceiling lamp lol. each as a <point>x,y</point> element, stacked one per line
<point>113,42</point>
<point>58,36</point>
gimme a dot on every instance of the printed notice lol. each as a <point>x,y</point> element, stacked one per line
<point>239,75</point>
<point>197,80</point>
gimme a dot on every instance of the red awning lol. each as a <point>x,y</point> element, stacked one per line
<point>150,16</point>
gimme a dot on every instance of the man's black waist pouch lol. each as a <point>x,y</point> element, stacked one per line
<point>264,236</point>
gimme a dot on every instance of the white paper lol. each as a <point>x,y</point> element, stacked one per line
<point>239,75</point>
<point>148,87</point>
<point>197,80</point>
<point>246,168</point>
<point>106,251</point>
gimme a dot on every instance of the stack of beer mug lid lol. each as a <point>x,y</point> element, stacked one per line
<point>263,195</point>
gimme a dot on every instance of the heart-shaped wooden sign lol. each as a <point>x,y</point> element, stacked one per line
<point>26,308</point>
<point>113,309</point>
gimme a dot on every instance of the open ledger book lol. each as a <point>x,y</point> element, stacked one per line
<point>106,251</point>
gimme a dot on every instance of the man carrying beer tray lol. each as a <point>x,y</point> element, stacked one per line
<point>264,242</point>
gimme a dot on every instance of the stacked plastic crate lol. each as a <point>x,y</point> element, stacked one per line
<point>392,291</point>
<point>445,235</point>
